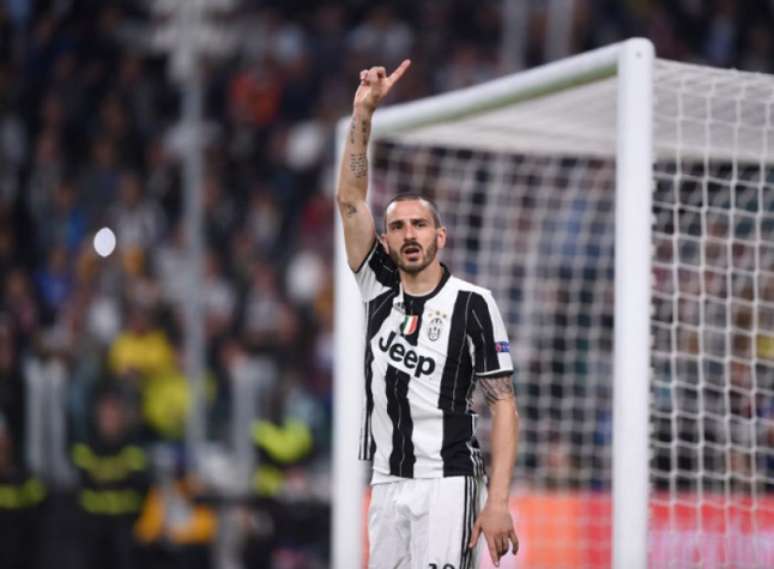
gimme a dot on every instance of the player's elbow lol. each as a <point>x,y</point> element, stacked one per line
<point>505,406</point>
<point>349,203</point>
<point>342,197</point>
<point>345,197</point>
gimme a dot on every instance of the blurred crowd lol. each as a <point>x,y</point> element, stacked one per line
<point>713,405</point>
<point>87,140</point>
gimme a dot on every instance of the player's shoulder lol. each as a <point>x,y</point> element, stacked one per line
<point>462,285</point>
<point>378,261</point>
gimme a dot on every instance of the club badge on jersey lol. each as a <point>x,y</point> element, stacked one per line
<point>437,319</point>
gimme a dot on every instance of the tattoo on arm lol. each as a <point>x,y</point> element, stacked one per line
<point>496,388</point>
<point>358,165</point>
<point>365,129</point>
<point>349,210</point>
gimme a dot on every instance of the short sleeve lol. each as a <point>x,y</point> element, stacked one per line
<point>486,330</point>
<point>377,273</point>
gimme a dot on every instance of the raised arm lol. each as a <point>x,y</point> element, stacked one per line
<point>495,519</point>
<point>359,228</point>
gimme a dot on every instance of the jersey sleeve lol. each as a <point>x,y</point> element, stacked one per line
<point>486,330</point>
<point>377,273</point>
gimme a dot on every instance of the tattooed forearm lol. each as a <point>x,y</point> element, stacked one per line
<point>496,388</point>
<point>365,129</point>
<point>358,165</point>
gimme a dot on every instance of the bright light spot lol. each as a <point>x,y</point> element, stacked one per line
<point>104,242</point>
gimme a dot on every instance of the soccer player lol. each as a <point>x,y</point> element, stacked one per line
<point>431,338</point>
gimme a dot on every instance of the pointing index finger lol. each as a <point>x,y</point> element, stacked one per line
<point>398,73</point>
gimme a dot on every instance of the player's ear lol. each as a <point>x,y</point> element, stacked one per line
<point>440,237</point>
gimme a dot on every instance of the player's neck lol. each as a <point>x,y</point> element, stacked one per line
<point>423,282</point>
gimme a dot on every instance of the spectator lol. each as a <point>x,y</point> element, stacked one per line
<point>269,323</point>
<point>22,306</point>
<point>21,498</point>
<point>175,529</point>
<point>47,171</point>
<point>63,222</point>
<point>219,298</point>
<point>137,221</point>
<point>221,212</point>
<point>113,475</point>
<point>99,179</point>
<point>142,353</point>
<point>12,402</point>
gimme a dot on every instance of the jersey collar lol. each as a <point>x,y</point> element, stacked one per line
<point>400,300</point>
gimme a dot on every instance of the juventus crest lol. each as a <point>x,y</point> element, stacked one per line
<point>435,325</point>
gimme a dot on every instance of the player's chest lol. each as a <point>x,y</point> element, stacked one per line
<point>415,342</point>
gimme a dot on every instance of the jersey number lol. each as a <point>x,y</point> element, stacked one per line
<point>446,566</point>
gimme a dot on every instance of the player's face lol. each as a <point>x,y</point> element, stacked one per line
<point>412,238</point>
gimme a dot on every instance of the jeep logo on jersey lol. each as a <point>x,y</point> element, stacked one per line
<point>399,353</point>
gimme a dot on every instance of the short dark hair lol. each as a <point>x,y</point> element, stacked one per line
<point>413,196</point>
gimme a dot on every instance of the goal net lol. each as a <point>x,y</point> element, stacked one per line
<point>527,186</point>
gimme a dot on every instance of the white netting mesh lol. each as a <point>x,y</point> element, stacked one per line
<point>712,402</point>
<point>534,223</point>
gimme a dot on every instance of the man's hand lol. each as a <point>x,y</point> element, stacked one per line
<point>375,84</point>
<point>352,188</point>
<point>496,524</point>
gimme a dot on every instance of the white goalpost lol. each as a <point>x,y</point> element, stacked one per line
<point>621,209</point>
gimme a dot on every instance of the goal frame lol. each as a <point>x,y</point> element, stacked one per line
<point>632,63</point>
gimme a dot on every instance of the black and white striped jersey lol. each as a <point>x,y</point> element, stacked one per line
<point>422,358</point>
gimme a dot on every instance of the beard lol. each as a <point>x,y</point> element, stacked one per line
<point>414,267</point>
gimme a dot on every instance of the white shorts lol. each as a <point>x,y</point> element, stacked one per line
<point>425,523</point>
